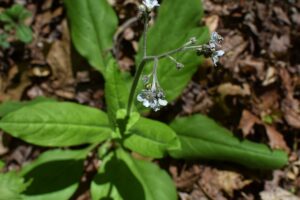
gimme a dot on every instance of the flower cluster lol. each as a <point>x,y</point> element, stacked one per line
<point>153,96</point>
<point>150,4</point>
<point>211,49</point>
<point>153,99</point>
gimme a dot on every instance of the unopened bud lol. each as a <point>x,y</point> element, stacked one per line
<point>142,9</point>
<point>179,66</point>
<point>193,40</point>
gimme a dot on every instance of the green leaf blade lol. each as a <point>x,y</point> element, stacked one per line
<point>24,33</point>
<point>117,87</point>
<point>151,138</point>
<point>55,174</point>
<point>57,124</point>
<point>202,138</point>
<point>11,186</point>
<point>123,177</point>
<point>93,24</point>
<point>11,106</point>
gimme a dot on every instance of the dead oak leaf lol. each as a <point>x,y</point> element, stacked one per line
<point>276,140</point>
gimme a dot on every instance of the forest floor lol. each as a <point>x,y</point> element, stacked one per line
<point>255,93</point>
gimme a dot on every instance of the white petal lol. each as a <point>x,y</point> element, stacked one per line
<point>140,98</point>
<point>146,103</point>
<point>162,102</point>
<point>156,109</point>
<point>214,36</point>
<point>219,53</point>
<point>150,4</point>
<point>215,60</point>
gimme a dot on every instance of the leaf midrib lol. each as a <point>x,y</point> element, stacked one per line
<point>227,146</point>
<point>56,124</point>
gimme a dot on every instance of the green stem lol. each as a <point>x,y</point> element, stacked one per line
<point>134,85</point>
<point>145,34</point>
<point>140,67</point>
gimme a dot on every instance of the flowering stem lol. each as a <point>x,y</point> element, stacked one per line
<point>146,58</point>
<point>141,68</point>
<point>145,35</point>
<point>134,85</point>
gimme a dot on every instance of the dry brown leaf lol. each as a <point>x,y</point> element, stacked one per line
<point>290,106</point>
<point>10,90</point>
<point>291,109</point>
<point>276,140</point>
<point>281,15</point>
<point>214,182</point>
<point>230,181</point>
<point>59,59</point>
<point>212,22</point>
<point>248,120</point>
<point>235,45</point>
<point>277,194</point>
<point>279,45</point>
<point>271,76</point>
<point>233,90</point>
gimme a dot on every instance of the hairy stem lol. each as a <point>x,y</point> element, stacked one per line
<point>145,35</point>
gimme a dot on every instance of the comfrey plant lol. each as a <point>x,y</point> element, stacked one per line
<point>121,137</point>
<point>153,95</point>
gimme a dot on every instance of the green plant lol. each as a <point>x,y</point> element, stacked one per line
<point>56,173</point>
<point>13,24</point>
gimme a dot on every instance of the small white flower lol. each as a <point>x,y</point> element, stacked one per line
<point>215,56</point>
<point>150,4</point>
<point>216,38</point>
<point>152,99</point>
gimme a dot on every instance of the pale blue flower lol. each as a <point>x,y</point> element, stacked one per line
<point>150,4</point>
<point>215,56</point>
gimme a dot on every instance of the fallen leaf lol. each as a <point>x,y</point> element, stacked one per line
<point>212,22</point>
<point>226,89</point>
<point>279,45</point>
<point>248,120</point>
<point>277,193</point>
<point>217,181</point>
<point>59,59</point>
<point>281,15</point>
<point>290,106</point>
<point>291,110</point>
<point>276,140</point>
<point>271,76</point>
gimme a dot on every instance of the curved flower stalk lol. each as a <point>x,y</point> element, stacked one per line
<point>152,96</point>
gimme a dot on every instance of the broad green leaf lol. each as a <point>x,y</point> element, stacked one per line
<point>23,33</point>
<point>55,174</point>
<point>203,138</point>
<point>57,124</point>
<point>125,122</point>
<point>11,106</point>
<point>11,186</point>
<point>15,14</point>
<point>151,138</point>
<point>2,165</point>
<point>93,23</point>
<point>117,87</point>
<point>176,23</point>
<point>122,177</point>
